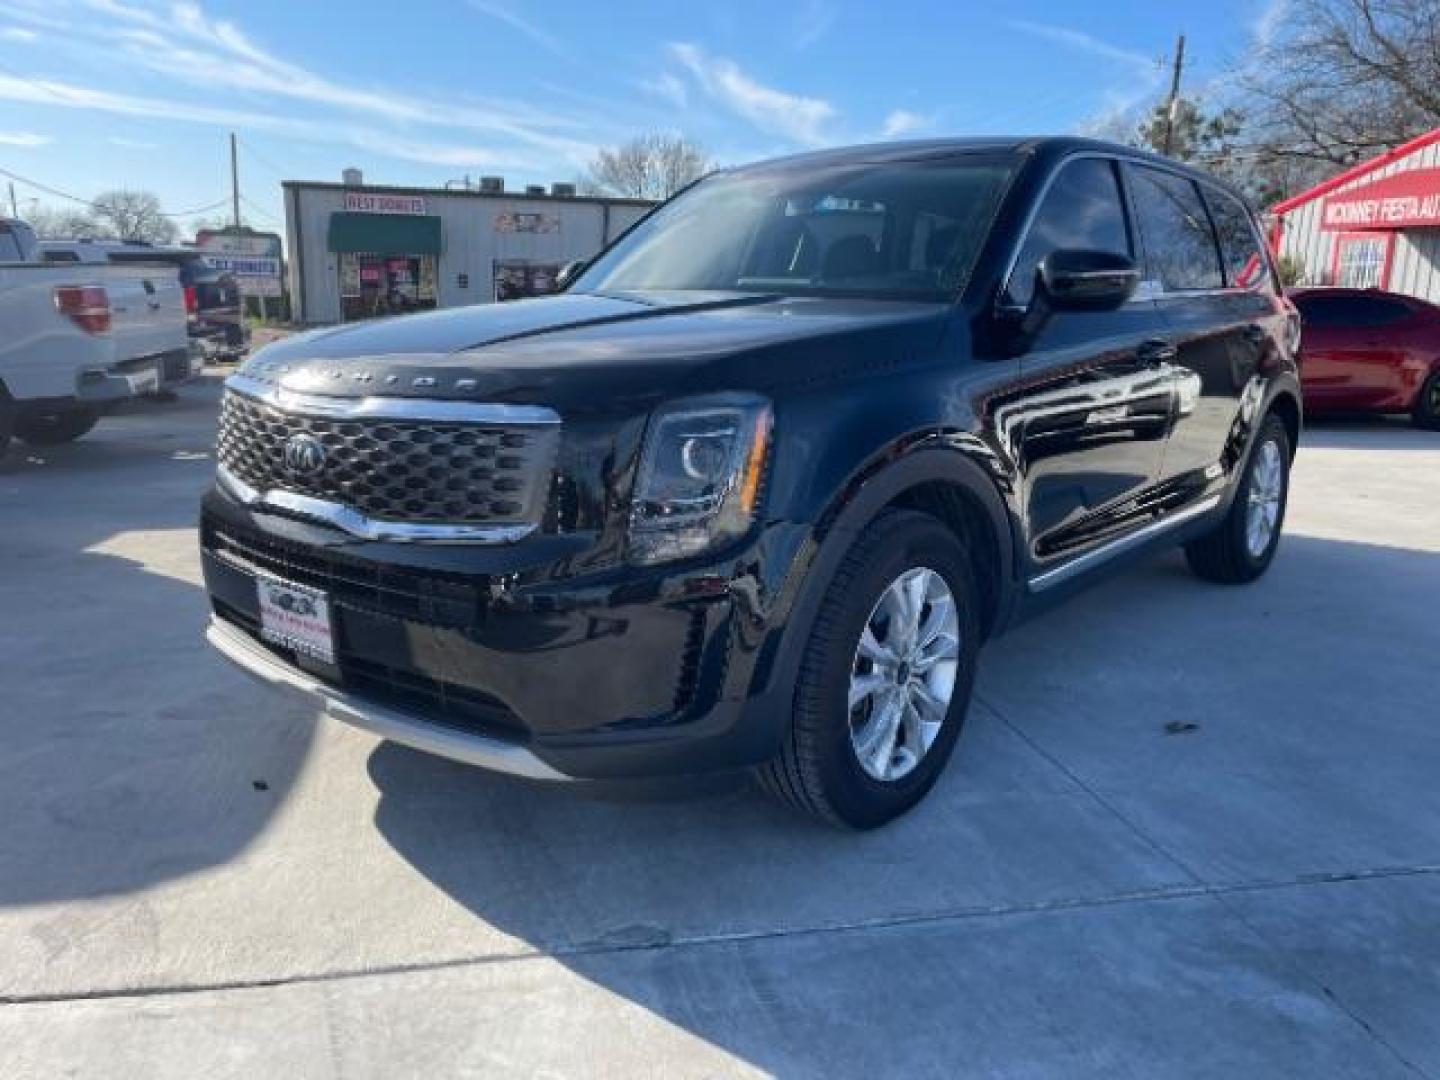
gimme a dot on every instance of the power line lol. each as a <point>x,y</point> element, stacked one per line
<point>257,209</point>
<point>102,206</point>
<point>250,150</point>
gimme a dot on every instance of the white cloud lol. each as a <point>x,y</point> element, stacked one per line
<point>904,122</point>
<point>69,95</point>
<point>812,22</point>
<point>1143,75</point>
<point>802,119</point>
<point>183,44</point>
<point>23,138</point>
<point>668,87</point>
<point>1083,42</point>
<point>543,38</point>
<point>131,144</point>
<point>18,33</point>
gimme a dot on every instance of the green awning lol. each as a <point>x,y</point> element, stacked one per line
<point>385,234</point>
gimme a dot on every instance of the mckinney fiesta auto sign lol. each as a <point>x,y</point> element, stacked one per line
<point>1404,201</point>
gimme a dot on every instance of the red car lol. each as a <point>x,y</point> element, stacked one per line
<point>1364,350</point>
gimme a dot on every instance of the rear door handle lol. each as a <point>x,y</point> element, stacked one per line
<point>1157,353</point>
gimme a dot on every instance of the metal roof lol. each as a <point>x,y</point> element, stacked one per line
<point>1355,172</point>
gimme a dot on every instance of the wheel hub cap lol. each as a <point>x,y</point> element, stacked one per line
<point>1267,483</point>
<point>903,675</point>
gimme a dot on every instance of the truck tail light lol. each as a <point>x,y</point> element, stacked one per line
<point>192,302</point>
<point>87,306</point>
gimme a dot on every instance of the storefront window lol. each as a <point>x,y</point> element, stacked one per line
<point>1360,260</point>
<point>372,286</point>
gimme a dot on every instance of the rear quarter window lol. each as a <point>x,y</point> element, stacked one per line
<point>1240,246</point>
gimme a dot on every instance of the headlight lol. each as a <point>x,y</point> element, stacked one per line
<point>699,478</point>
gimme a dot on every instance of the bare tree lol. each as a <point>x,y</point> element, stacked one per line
<point>651,166</point>
<point>1347,79</point>
<point>133,215</point>
<point>60,222</point>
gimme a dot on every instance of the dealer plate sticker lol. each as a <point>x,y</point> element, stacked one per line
<point>296,617</point>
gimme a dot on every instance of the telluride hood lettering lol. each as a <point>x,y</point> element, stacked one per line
<point>591,353</point>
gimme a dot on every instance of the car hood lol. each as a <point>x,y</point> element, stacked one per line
<point>586,352</point>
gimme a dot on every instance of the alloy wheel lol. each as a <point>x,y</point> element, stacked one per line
<point>1267,485</point>
<point>904,673</point>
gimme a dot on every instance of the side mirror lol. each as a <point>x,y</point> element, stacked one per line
<point>568,273</point>
<point>1078,280</point>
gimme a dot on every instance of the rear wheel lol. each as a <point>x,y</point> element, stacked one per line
<point>7,422</point>
<point>55,428</point>
<point>886,676</point>
<point>1427,404</point>
<point>1241,547</point>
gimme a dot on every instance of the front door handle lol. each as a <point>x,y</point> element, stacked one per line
<point>1157,353</point>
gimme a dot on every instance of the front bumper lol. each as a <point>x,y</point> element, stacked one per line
<point>490,753</point>
<point>467,651</point>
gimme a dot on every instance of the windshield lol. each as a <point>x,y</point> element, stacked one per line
<point>888,230</point>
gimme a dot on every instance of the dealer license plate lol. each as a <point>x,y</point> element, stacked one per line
<point>296,617</point>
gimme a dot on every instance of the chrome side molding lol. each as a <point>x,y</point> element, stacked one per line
<point>1050,578</point>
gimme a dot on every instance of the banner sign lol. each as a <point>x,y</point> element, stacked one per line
<point>1404,201</point>
<point>362,202</point>
<point>526,223</point>
<point>253,257</point>
<point>245,266</point>
<point>245,243</point>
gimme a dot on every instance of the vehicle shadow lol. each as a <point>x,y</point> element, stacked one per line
<point>132,754</point>
<point>1306,748</point>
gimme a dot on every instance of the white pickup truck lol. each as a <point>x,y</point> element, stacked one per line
<point>75,339</point>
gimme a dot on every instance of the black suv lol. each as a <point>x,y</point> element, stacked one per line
<point>753,492</point>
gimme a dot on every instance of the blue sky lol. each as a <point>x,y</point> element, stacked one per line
<point>98,94</point>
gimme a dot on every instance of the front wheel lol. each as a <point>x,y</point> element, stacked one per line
<point>885,680</point>
<point>1242,546</point>
<point>1427,404</point>
<point>56,428</point>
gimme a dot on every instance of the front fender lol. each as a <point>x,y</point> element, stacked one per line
<point>877,483</point>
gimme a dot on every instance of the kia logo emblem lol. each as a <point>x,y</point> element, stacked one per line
<point>304,454</point>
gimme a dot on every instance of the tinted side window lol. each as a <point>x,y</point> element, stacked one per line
<point>1239,245</point>
<point>1316,311</point>
<point>1082,209</point>
<point>1350,310</point>
<point>1179,243</point>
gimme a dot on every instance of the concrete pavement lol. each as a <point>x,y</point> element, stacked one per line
<point>1189,830</point>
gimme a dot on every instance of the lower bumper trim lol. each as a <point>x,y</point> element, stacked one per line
<point>397,726</point>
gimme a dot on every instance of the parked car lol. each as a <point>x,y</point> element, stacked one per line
<point>756,488</point>
<point>1364,350</point>
<point>212,298</point>
<point>76,339</point>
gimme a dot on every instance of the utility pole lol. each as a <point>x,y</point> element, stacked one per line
<point>235,183</point>
<point>1172,106</point>
<point>14,206</point>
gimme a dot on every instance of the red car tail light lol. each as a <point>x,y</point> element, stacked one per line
<point>192,302</point>
<point>87,306</point>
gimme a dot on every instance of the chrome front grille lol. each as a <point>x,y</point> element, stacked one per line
<point>387,462</point>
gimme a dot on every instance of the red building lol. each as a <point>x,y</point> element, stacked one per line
<point>1376,225</point>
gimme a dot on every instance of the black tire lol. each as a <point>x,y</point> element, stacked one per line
<point>56,428</point>
<point>1427,404</point>
<point>1223,555</point>
<point>817,770</point>
<point>7,422</point>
